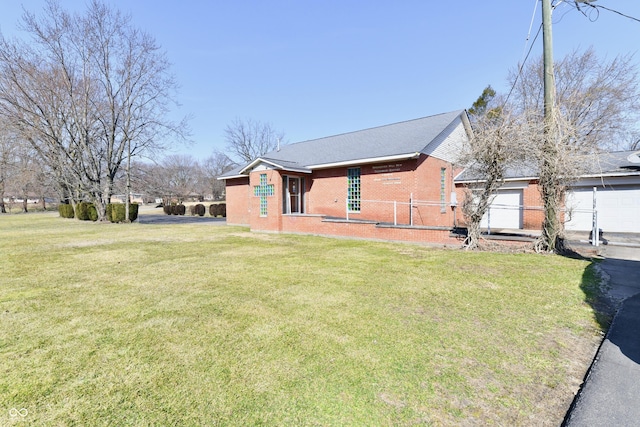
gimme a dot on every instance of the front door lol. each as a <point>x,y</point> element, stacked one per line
<point>294,195</point>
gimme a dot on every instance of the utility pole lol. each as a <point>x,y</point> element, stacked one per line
<point>547,46</point>
<point>550,188</point>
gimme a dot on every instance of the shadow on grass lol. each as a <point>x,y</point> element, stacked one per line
<point>591,285</point>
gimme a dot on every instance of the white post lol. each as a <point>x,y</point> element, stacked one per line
<point>395,212</point>
<point>595,235</point>
<point>411,209</point>
<point>347,208</point>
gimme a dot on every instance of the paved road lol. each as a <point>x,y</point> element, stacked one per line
<point>611,393</point>
<point>148,218</point>
<point>149,214</point>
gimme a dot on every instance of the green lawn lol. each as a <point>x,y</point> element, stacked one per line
<point>195,324</point>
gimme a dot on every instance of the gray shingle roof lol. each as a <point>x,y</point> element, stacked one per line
<point>408,137</point>
<point>614,163</point>
<point>605,164</point>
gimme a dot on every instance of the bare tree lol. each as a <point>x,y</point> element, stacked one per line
<point>493,149</point>
<point>214,166</point>
<point>8,161</point>
<point>249,139</point>
<point>179,176</point>
<point>600,98</point>
<point>597,107</point>
<point>87,92</point>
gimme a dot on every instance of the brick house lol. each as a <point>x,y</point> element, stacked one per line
<point>393,182</point>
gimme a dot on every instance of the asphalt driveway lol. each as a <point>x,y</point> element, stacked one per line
<point>610,395</point>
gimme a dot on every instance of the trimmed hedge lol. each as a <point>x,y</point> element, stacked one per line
<point>176,209</point>
<point>199,210</point>
<point>66,210</point>
<point>218,209</point>
<point>86,211</point>
<point>116,212</point>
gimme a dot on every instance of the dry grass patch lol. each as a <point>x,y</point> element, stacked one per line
<point>197,325</point>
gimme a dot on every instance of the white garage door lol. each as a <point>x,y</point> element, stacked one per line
<point>618,209</point>
<point>505,211</point>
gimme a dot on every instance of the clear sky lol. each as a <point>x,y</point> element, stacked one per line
<point>315,68</point>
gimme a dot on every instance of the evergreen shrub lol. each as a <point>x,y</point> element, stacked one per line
<point>116,212</point>
<point>198,209</point>
<point>218,209</point>
<point>66,210</point>
<point>82,211</point>
<point>92,212</point>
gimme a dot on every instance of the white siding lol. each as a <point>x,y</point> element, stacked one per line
<point>448,145</point>
<point>618,209</point>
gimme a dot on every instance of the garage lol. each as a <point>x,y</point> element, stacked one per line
<point>505,211</point>
<point>618,209</point>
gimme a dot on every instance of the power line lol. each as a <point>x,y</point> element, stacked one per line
<point>521,68</point>
<point>597,6</point>
<point>533,17</point>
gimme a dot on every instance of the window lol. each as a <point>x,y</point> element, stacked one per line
<point>353,189</point>
<point>263,191</point>
<point>292,194</point>
<point>443,203</point>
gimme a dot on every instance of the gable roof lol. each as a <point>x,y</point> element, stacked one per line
<point>396,141</point>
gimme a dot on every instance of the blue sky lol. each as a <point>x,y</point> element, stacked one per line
<point>316,68</point>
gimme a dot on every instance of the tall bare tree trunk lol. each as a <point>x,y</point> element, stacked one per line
<point>552,192</point>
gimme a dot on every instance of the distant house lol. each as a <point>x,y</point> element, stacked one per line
<point>615,177</point>
<point>391,182</point>
<point>122,198</point>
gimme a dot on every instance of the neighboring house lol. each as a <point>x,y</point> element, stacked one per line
<point>390,182</point>
<point>615,176</point>
<point>122,198</point>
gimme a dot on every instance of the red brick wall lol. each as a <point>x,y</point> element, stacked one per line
<point>382,184</point>
<point>273,220</point>
<point>532,217</point>
<point>326,193</point>
<point>237,192</point>
<point>307,224</point>
<point>427,188</point>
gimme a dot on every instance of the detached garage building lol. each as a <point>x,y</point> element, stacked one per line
<point>615,177</point>
<point>617,195</point>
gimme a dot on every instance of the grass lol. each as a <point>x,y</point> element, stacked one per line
<point>195,324</point>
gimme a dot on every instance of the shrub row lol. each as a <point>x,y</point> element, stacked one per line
<point>86,211</point>
<point>218,209</point>
<point>174,209</point>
